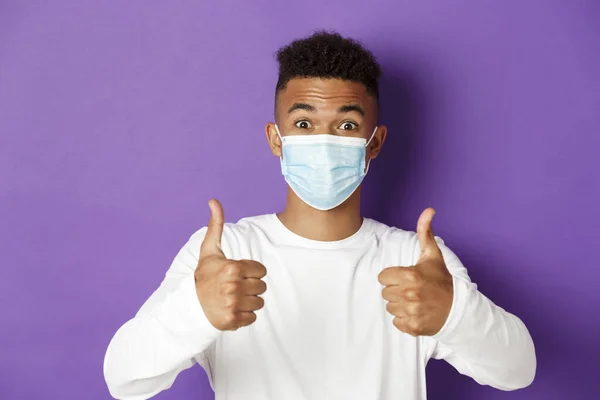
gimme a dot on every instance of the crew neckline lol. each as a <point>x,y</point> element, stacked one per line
<point>294,238</point>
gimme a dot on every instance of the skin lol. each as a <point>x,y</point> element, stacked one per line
<point>418,296</point>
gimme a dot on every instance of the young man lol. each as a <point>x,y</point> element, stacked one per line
<point>317,302</point>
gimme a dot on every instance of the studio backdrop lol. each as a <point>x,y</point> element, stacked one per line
<point>119,120</point>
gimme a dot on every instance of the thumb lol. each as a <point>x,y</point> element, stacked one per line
<point>212,241</point>
<point>425,235</point>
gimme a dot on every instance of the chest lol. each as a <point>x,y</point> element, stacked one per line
<point>324,327</point>
<point>323,307</point>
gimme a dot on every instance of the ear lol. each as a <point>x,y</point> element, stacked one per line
<point>377,142</point>
<point>273,139</point>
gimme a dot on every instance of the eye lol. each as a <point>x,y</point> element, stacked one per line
<point>304,124</point>
<point>348,126</point>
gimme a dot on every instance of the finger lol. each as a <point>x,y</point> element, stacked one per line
<point>425,235</point>
<point>253,269</point>
<point>250,303</point>
<point>245,318</point>
<point>239,288</point>
<point>211,245</point>
<point>233,271</point>
<point>408,325</point>
<point>404,294</point>
<point>397,309</point>
<point>253,286</point>
<point>389,276</point>
<point>393,276</point>
<point>391,293</point>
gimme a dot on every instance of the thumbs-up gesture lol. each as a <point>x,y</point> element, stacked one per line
<point>420,296</point>
<point>227,290</point>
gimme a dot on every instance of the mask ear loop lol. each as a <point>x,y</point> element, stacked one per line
<point>367,145</point>
<point>281,140</point>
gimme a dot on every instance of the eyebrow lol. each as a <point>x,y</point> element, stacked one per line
<point>301,106</point>
<point>343,109</point>
<point>352,107</point>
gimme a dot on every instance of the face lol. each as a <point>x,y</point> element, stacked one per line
<point>326,106</point>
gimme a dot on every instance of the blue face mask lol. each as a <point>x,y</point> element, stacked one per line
<point>323,170</point>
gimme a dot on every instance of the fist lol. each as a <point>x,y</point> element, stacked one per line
<point>420,296</point>
<point>227,290</point>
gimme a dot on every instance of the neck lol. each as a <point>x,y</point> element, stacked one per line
<point>326,226</point>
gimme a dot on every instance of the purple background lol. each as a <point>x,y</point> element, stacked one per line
<point>119,120</point>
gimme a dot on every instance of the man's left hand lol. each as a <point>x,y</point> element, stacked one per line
<point>420,296</point>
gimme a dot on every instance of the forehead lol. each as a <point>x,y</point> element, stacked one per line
<point>325,93</point>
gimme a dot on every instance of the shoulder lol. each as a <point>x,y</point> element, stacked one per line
<point>236,235</point>
<point>406,243</point>
<point>391,235</point>
<point>234,229</point>
<point>248,228</point>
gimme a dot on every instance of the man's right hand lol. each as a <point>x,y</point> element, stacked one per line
<point>227,289</point>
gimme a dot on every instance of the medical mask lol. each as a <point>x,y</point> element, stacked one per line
<point>322,169</point>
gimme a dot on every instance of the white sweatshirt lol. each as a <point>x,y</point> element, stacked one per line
<point>324,332</point>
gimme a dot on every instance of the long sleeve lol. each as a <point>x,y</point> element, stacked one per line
<point>147,353</point>
<point>482,340</point>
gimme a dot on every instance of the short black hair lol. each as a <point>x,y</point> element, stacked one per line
<point>328,55</point>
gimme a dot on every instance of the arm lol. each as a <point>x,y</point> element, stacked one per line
<point>147,353</point>
<point>482,340</point>
<point>435,299</point>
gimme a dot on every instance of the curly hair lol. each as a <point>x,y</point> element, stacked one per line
<point>328,55</point>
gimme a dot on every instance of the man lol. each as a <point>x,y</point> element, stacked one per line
<point>317,302</point>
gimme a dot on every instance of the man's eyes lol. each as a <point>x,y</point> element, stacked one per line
<point>302,124</point>
<point>345,126</point>
<point>348,126</point>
